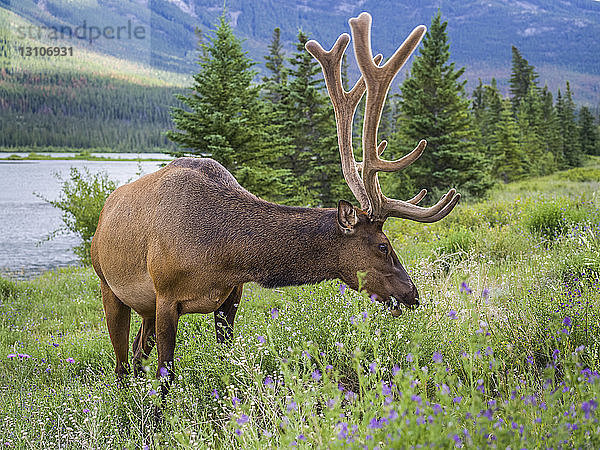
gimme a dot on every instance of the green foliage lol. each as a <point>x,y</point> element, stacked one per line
<point>458,240</point>
<point>580,174</point>
<point>565,114</point>
<point>588,132</point>
<point>433,106</point>
<point>522,80</point>
<point>81,200</point>
<point>225,118</point>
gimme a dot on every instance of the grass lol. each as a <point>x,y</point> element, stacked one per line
<point>504,350</point>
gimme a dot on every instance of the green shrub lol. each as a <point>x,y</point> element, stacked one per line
<point>546,220</point>
<point>580,174</point>
<point>81,200</point>
<point>456,241</point>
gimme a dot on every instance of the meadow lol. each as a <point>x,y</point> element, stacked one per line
<point>504,350</point>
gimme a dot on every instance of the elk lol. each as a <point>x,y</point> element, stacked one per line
<point>186,238</point>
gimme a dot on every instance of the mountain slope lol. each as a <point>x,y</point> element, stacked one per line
<point>559,37</point>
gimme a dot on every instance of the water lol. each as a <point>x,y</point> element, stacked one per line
<point>26,220</point>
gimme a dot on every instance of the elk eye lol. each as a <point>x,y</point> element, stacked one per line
<point>383,249</point>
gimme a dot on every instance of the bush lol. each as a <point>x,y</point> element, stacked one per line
<point>457,241</point>
<point>580,174</point>
<point>81,200</point>
<point>546,220</point>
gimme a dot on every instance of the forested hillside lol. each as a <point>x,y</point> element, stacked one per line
<point>83,101</point>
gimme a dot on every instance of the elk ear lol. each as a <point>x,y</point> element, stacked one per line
<point>346,216</point>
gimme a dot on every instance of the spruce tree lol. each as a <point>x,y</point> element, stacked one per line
<point>523,76</point>
<point>588,132</point>
<point>565,110</point>
<point>225,118</point>
<point>277,76</point>
<point>433,106</point>
<point>310,125</point>
<point>511,162</point>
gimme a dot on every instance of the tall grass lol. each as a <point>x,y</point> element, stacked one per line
<point>504,350</point>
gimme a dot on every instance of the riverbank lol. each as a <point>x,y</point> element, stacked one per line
<point>75,157</point>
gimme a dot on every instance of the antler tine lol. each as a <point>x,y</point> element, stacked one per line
<point>344,106</point>
<point>378,81</point>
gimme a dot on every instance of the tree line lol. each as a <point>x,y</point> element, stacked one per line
<point>278,137</point>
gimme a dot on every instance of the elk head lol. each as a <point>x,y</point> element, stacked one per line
<point>386,278</point>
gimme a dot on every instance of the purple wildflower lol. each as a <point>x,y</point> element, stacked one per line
<point>385,388</point>
<point>567,321</point>
<point>409,357</point>
<point>416,398</point>
<point>589,407</point>
<point>69,360</point>
<point>235,401</point>
<point>292,405</point>
<point>328,367</point>
<point>393,415</point>
<point>342,288</point>
<point>373,367</point>
<point>163,372</point>
<point>316,375</point>
<point>151,392</point>
<point>464,287</point>
<point>274,313</point>
<point>485,294</point>
<point>215,393</point>
<point>86,410</point>
<point>457,400</point>
<point>445,389</point>
<point>437,357</point>
<point>395,369</point>
<point>261,339</point>
<point>452,314</point>
<point>243,419</point>
<point>11,355</point>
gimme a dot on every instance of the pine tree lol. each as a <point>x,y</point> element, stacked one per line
<point>277,78</point>
<point>523,76</point>
<point>310,124</point>
<point>510,162</point>
<point>433,106</point>
<point>487,106</point>
<point>565,110</point>
<point>588,132</point>
<point>225,119</point>
<point>550,133</point>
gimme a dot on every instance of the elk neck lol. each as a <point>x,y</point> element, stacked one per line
<point>298,246</point>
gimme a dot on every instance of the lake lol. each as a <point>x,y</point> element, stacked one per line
<point>26,220</point>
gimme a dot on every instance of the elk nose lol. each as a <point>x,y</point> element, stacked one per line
<point>416,296</point>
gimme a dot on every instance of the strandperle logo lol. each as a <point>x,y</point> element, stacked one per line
<point>84,31</point>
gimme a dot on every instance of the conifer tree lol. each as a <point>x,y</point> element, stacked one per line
<point>314,159</point>
<point>511,162</point>
<point>523,76</point>
<point>565,111</point>
<point>274,82</point>
<point>225,119</point>
<point>433,106</point>
<point>487,106</point>
<point>588,132</point>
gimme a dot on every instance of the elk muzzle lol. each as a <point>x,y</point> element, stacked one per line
<point>409,297</point>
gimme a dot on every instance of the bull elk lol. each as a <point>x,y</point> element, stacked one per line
<point>186,238</point>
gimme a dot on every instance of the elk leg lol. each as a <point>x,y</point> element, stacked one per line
<point>225,315</point>
<point>167,317</point>
<point>118,316</point>
<point>143,344</point>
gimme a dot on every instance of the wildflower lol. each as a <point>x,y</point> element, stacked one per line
<point>238,432</point>
<point>301,437</point>
<point>437,408</point>
<point>437,357</point>
<point>464,287</point>
<point>485,294</point>
<point>480,386</point>
<point>589,407</point>
<point>261,339</point>
<point>409,357</point>
<point>567,321</point>
<point>445,389</point>
<point>373,367</point>
<point>365,315</point>
<point>393,415</point>
<point>343,433</point>
<point>489,351</point>
<point>292,405</point>
<point>328,367</point>
<point>274,313</point>
<point>452,314</point>
<point>342,288</point>
<point>152,393</point>
<point>55,344</point>
<point>555,354</point>
<point>385,388</point>
<point>215,393</point>
<point>243,419</point>
<point>457,400</point>
<point>395,369</point>
<point>235,401</point>
<point>12,355</point>
<point>331,403</point>
<point>530,360</point>
<point>456,439</point>
<point>163,372</point>
<point>69,360</point>
<point>86,410</point>
<point>316,375</point>
<point>416,398</point>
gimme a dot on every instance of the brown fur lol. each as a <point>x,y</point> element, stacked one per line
<point>186,238</point>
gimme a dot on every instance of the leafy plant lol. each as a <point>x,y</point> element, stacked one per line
<point>81,200</point>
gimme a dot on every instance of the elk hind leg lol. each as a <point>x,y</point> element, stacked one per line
<point>225,315</point>
<point>167,317</point>
<point>118,316</point>
<point>143,344</point>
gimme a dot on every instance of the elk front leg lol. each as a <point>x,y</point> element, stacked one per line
<point>143,344</point>
<point>167,317</point>
<point>225,315</point>
<point>118,316</point>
